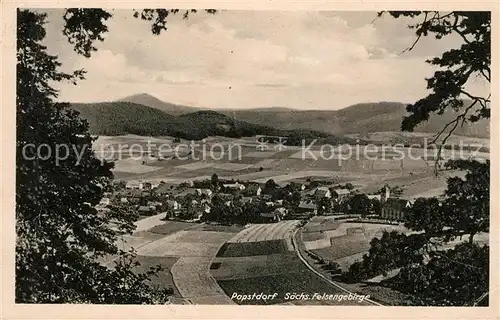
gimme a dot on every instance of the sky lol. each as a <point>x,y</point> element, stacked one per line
<point>250,59</point>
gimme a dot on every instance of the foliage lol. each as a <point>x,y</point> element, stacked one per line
<point>456,277</point>
<point>60,233</point>
<point>468,200</point>
<point>358,204</point>
<point>428,215</point>
<point>457,67</point>
<point>430,275</point>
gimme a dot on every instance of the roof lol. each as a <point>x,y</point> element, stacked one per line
<point>186,192</point>
<point>321,192</point>
<point>253,187</point>
<point>166,188</point>
<point>397,203</point>
<point>268,214</point>
<point>133,183</point>
<point>246,199</point>
<point>341,191</point>
<point>374,196</point>
<point>144,208</point>
<point>307,205</point>
<point>280,210</point>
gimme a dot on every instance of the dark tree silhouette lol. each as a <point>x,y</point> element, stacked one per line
<point>61,237</point>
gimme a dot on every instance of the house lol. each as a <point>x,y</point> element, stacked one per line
<point>155,204</point>
<point>234,186</point>
<point>166,188</point>
<point>205,206</point>
<point>123,200</point>
<point>274,216</point>
<point>105,201</point>
<point>307,207</point>
<point>340,194</point>
<point>173,205</point>
<point>191,191</point>
<point>147,186</point>
<point>394,209</point>
<point>278,202</point>
<point>269,204</point>
<point>134,184</point>
<point>374,196</point>
<point>146,209</point>
<point>253,190</point>
<point>322,192</point>
<point>204,192</point>
<point>246,200</point>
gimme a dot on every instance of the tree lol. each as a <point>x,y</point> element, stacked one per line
<point>60,235</point>
<point>214,182</point>
<point>428,215</point>
<point>324,205</point>
<point>269,187</point>
<point>457,67</point>
<point>359,204</point>
<point>468,199</point>
<point>458,276</point>
<point>376,207</point>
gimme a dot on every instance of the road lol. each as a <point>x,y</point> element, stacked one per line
<point>304,260</point>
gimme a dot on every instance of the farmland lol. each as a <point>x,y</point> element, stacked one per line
<point>206,263</point>
<point>247,160</point>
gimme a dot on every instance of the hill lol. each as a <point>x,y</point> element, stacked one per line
<point>119,118</point>
<point>360,118</point>
<point>151,101</point>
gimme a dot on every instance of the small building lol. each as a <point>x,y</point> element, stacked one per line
<point>191,191</point>
<point>146,209</point>
<point>374,197</point>
<point>278,202</point>
<point>166,188</point>
<point>173,205</point>
<point>307,207</point>
<point>134,184</point>
<point>253,190</point>
<point>104,201</point>
<point>394,209</point>
<point>155,204</point>
<point>322,192</point>
<point>205,205</point>
<point>340,194</point>
<point>269,204</point>
<point>246,200</point>
<point>123,200</point>
<point>234,186</point>
<point>274,216</point>
<point>204,192</point>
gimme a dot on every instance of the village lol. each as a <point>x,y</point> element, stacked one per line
<point>242,202</point>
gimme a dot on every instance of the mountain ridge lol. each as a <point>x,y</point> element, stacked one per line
<point>359,118</point>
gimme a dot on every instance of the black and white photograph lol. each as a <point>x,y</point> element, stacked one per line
<point>252,157</point>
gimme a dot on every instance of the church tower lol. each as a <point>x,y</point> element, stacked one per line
<point>386,194</point>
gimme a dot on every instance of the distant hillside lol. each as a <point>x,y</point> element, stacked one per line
<point>150,101</point>
<point>360,118</point>
<point>119,118</point>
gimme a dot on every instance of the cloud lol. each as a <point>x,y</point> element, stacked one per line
<point>315,60</point>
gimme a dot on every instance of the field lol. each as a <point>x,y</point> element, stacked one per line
<point>185,251</point>
<point>252,248</point>
<point>247,162</point>
<point>342,242</point>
